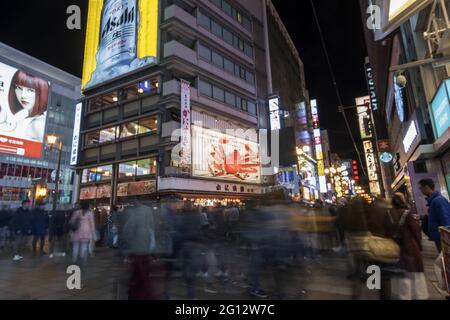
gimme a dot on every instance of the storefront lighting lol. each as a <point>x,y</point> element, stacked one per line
<point>327,171</point>
<point>306,149</point>
<point>115,99</point>
<point>333,170</point>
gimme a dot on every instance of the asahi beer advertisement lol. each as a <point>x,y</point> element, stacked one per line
<point>121,37</point>
<point>23,112</point>
<point>221,156</point>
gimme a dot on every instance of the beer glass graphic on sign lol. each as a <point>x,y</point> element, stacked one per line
<point>118,35</point>
<point>122,37</point>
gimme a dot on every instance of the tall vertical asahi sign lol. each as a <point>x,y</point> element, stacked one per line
<point>185,159</point>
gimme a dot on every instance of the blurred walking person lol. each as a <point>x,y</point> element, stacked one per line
<point>39,227</point>
<point>21,229</point>
<point>5,218</point>
<point>137,243</point>
<point>407,232</point>
<point>83,232</point>
<point>58,230</point>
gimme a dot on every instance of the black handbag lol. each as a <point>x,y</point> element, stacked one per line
<point>74,225</point>
<point>425,225</point>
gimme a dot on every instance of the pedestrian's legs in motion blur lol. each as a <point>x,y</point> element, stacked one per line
<point>139,288</point>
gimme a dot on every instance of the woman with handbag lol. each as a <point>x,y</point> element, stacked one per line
<point>407,232</point>
<point>82,226</point>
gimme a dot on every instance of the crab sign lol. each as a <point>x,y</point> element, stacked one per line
<point>222,162</point>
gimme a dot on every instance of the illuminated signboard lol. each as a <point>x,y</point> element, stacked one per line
<point>396,7</point>
<point>318,147</point>
<point>274,108</point>
<point>121,37</point>
<point>323,184</point>
<point>371,87</point>
<point>220,156</point>
<point>185,123</point>
<point>364,117</point>
<point>371,163</point>
<point>440,109</point>
<point>76,135</point>
<point>410,136</point>
<point>23,112</point>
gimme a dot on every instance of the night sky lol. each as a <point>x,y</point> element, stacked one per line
<point>39,29</point>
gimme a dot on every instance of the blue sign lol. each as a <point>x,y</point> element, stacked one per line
<point>440,109</point>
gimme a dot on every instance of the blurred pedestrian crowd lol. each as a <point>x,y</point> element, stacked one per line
<point>157,239</point>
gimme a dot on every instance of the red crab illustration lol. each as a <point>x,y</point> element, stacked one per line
<point>233,163</point>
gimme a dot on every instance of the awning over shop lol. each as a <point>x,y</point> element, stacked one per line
<point>430,151</point>
<point>396,12</point>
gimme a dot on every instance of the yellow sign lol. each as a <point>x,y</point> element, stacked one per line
<point>121,37</point>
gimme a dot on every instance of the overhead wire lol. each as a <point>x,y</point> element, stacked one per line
<point>336,88</point>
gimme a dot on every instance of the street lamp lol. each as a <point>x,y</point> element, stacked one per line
<point>52,141</point>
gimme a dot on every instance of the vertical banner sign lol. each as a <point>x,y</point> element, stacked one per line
<point>371,167</point>
<point>371,87</point>
<point>76,135</point>
<point>318,147</point>
<point>185,123</point>
<point>274,108</point>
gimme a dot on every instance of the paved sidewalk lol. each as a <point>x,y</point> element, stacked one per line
<point>41,278</point>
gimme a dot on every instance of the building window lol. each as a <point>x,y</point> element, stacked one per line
<point>218,93</point>
<point>128,129</point>
<point>148,125</point>
<point>225,34</point>
<point>230,99</point>
<point>127,169</point>
<point>97,174</point>
<point>237,15</point>
<point>137,168</point>
<point>204,21</point>
<point>251,107</point>
<point>228,36</point>
<point>205,88</point>
<point>93,138</point>
<point>204,52</point>
<point>226,7</point>
<point>103,101</point>
<point>149,86</point>
<point>217,59</point>
<point>107,135</point>
<point>226,64</point>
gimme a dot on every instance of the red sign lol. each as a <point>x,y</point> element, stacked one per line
<point>384,146</point>
<point>136,188</point>
<point>20,147</point>
<point>94,192</point>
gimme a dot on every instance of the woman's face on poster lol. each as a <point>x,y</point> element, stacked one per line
<point>26,97</point>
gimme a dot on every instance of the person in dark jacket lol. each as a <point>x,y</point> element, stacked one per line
<point>438,211</point>
<point>21,229</point>
<point>39,227</point>
<point>58,230</point>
